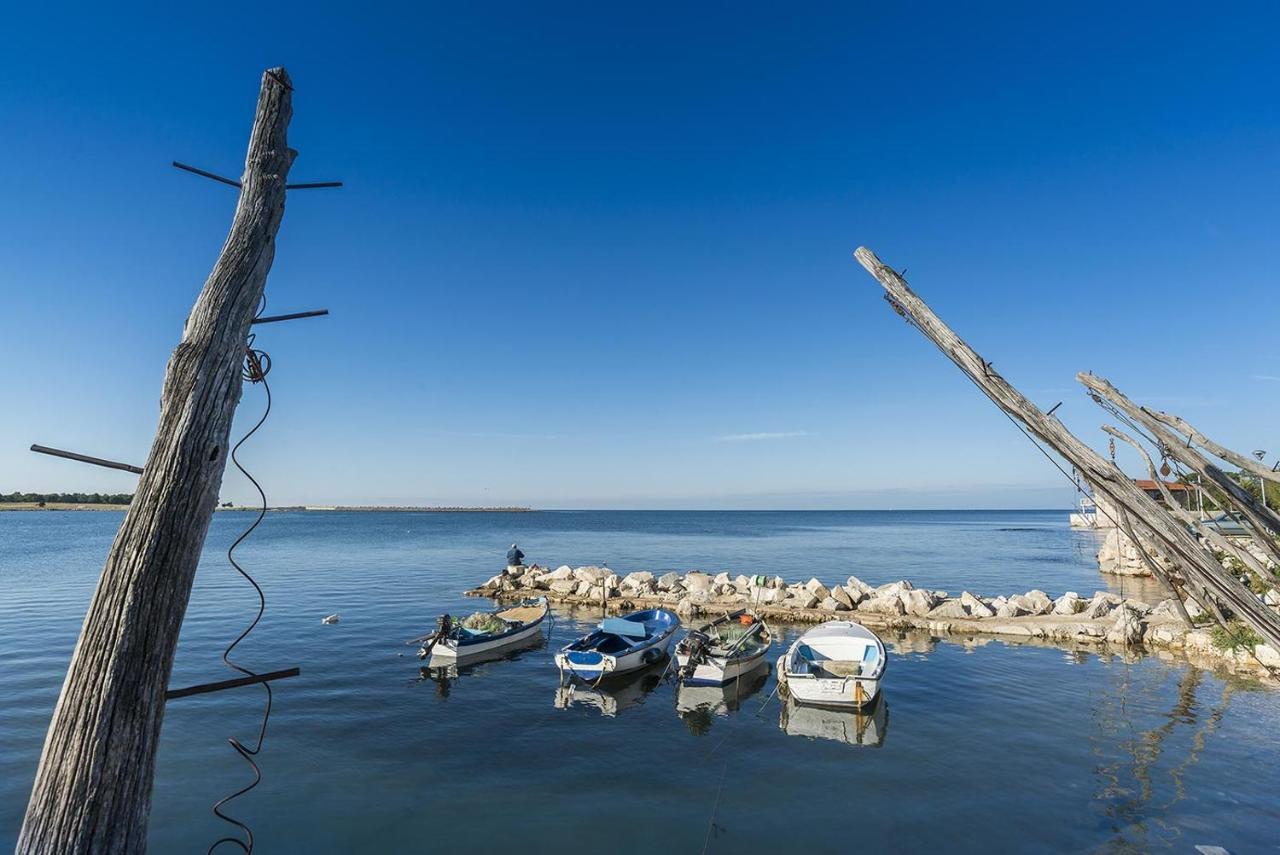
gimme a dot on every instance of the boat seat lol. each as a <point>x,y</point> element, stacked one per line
<point>623,627</point>
<point>841,668</point>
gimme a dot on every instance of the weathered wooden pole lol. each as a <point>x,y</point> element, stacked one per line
<point>1264,521</point>
<point>1241,461</point>
<point>1104,476</point>
<point>92,790</point>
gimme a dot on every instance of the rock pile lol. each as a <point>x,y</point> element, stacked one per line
<point>1104,618</point>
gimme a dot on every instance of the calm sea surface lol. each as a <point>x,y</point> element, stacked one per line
<point>975,748</point>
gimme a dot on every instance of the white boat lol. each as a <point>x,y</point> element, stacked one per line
<point>837,664</point>
<point>487,631</point>
<point>861,727</point>
<point>620,644</point>
<point>724,649</point>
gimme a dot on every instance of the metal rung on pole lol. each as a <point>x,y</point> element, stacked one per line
<point>205,688</point>
<point>84,458</point>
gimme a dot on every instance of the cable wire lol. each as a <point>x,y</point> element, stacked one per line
<point>256,366</point>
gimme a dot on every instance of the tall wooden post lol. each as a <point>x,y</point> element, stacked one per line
<point>92,790</point>
<point>1105,477</point>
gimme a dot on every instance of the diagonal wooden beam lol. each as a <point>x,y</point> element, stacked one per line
<point>1241,461</point>
<point>92,791</point>
<point>1100,473</point>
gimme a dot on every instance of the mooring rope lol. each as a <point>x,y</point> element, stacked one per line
<point>256,366</point>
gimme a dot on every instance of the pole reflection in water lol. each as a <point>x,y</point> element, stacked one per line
<point>1143,773</point>
<point>612,695</point>
<point>444,671</point>
<point>865,728</point>
<point>698,706</point>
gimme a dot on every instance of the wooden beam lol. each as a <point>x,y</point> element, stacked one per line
<point>1241,461</point>
<point>1102,474</point>
<point>92,790</point>
<point>1264,522</point>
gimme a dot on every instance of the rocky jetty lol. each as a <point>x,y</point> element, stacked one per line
<point>1103,619</point>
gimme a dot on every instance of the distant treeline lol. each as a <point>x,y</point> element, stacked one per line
<point>67,498</point>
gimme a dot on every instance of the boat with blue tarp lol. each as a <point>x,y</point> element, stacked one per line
<point>620,644</point>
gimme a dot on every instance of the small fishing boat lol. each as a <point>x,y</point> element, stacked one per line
<point>837,664</point>
<point>699,704</point>
<point>720,651</point>
<point>484,631</point>
<point>619,644</point>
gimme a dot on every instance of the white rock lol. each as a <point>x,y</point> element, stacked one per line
<point>701,596</point>
<point>856,595</point>
<point>918,603</point>
<point>828,604</point>
<point>890,604</point>
<point>771,595</point>
<point>894,588</point>
<point>590,573</point>
<point>975,605</point>
<point>585,587</point>
<point>563,586</point>
<point>777,582</point>
<point>492,583</point>
<point>819,590</point>
<point>949,609</point>
<point>1068,604</point>
<point>667,580</point>
<point>695,581</point>
<point>1009,608</point>
<point>564,571</point>
<point>842,598</point>
<point>855,584</point>
<point>1036,602</point>
<point>742,583</point>
<point>612,583</point>
<point>1127,630</point>
<point>1100,606</point>
<point>334,618</point>
<point>640,576</point>
<point>722,579</point>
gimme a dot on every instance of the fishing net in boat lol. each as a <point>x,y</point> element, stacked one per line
<point>483,622</point>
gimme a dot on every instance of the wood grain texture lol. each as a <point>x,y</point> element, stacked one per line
<point>92,791</point>
<point>1104,476</point>
<point>1240,461</point>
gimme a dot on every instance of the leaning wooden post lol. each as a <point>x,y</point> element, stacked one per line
<point>1104,476</point>
<point>92,790</point>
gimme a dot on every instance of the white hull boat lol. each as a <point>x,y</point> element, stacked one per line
<point>838,664</point>
<point>723,650</point>
<point>489,632</point>
<point>619,645</point>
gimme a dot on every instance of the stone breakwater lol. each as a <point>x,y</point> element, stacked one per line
<point>1104,619</point>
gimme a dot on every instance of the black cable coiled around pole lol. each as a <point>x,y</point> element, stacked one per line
<point>256,365</point>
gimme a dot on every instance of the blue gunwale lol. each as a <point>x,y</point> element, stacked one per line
<point>462,639</point>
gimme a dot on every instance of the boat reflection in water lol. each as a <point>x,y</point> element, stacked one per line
<point>612,695</point>
<point>699,706</point>
<point>865,728</point>
<point>445,670</point>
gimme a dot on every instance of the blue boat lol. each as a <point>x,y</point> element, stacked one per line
<point>620,644</point>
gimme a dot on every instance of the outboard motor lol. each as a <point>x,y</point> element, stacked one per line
<point>444,626</point>
<point>694,646</point>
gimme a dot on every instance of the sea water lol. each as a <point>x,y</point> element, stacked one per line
<point>975,747</point>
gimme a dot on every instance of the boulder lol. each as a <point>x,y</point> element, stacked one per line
<point>639,577</point>
<point>590,573</point>
<point>894,588</point>
<point>722,579</point>
<point>697,581</point>
<point>492,583</point>
<point>1068,604</point>
<point>976,607</point>
<point>562,586</point>
<point>1100,606</point>
<point>918,603</point>
<point>700,597</point>
<point>890,604</point>
<point>949,609</point>
<point>1036,602</point>
<point>1127,629</point>
<point>853,583</point>
<point>1009,608</point>
<point>612,583</point>
<point>856,595</point>
<point>564,571</point>
<point>844,602</point>
<point>819,590</point>
<point>585,588</point>
<point>777,582</point>
<point>771,595</point>
<point>806,600</point>
<point>667,581</point>
<point>828,604</point>
<point>742,584</point>
<point>686,608</point>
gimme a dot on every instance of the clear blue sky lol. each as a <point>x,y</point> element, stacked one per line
<point>600,255</point>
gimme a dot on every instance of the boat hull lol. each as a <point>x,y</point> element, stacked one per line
<point>718,670</point>
<point>607,665</point>
<point>450,648</point>
<point>848,693</point>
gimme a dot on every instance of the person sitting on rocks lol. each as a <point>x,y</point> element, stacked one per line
<point>515,557</point>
